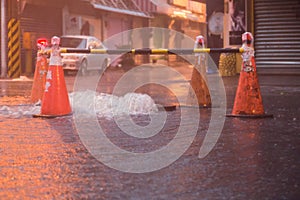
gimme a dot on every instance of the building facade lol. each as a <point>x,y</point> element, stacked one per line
<point>275,25</point>
<point>100,18</point>
<point>105,19</point>
<point>183,16</point>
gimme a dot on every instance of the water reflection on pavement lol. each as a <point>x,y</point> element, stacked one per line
<point>253,158</point>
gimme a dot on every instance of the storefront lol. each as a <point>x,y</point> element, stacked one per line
<point>215,27</point>
<point>81,19</point>
<point>121,17</point>
<point>37,20</point>
<point>275,26</point>
<point>102,19</point>
<point>186,17</point>
<point>106,19</point>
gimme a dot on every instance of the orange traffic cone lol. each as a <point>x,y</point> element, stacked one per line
<point>248,100</point>
<point>41,69</point>
<point>198,79</point>
<point>55,100</point>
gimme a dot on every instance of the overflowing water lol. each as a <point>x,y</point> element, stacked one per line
<point>19,111</point>
<point>90,102</point>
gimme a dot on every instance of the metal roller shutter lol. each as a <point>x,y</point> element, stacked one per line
<point>40,21</point>
<point>277,33</point>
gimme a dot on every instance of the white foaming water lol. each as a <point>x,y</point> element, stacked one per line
<point>108,106</point>
<point>90,102</point>
<point>19,111</point>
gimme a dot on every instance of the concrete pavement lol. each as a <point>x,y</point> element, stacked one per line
<point>253,158</point>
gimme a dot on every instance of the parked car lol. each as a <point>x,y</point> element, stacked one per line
<point>83,62</point>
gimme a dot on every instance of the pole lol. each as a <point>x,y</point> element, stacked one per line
<point>13,41</point>
<point>3,40</point>
<point>153,51</point>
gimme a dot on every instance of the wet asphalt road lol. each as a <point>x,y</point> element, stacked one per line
<point>252,159</point>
